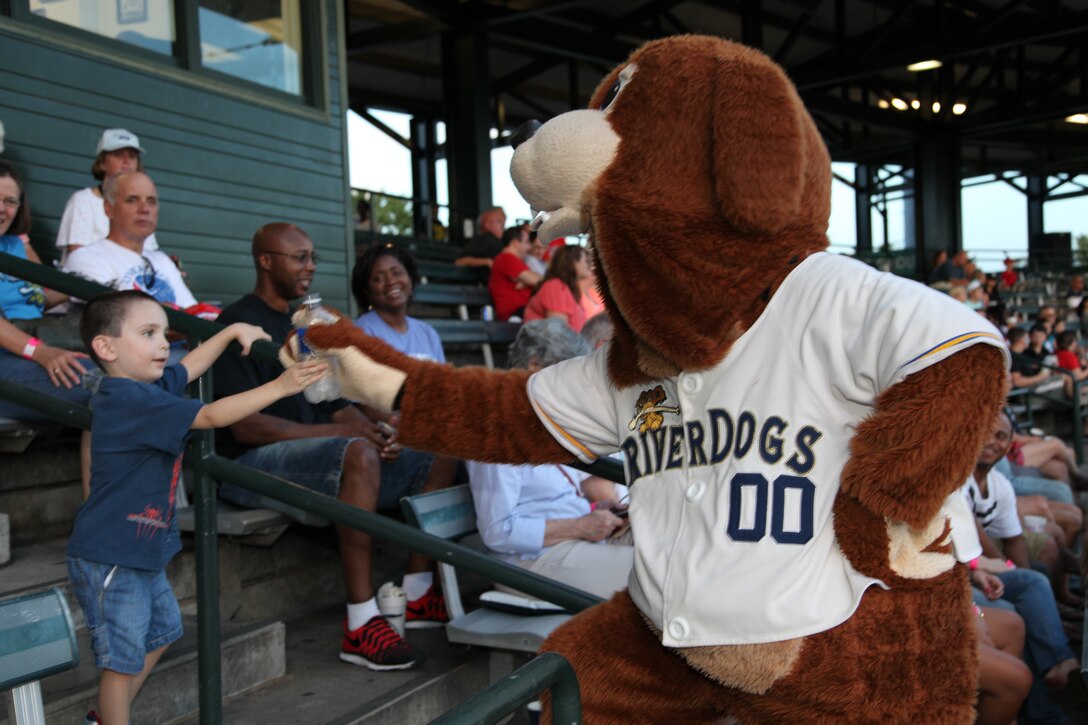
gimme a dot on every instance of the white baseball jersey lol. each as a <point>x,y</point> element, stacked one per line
<point>734,469</point>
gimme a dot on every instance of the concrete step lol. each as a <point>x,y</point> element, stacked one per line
<point>252,655</point>
<point>319,688</point>
<point>40,488</point>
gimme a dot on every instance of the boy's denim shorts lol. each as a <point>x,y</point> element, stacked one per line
<point>129,612</point>
<point>317,464</point>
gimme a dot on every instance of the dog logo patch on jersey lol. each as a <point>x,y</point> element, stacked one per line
<point>649,410</point>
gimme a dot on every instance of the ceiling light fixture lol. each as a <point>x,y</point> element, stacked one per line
<point>936,106</point>
<point>922,65</point>
<point>958,109</point>
<point>899,104</point>
<point>915,104</point>
<point>882,103</point>
<point>1081,118</point>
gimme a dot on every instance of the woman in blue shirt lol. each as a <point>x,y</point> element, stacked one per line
<point>25,359</point>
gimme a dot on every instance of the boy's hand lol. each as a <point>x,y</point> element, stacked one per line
<point>245,335</point>
<point>298,377</point>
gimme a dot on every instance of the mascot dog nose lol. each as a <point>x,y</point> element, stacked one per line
<point>525,132</point>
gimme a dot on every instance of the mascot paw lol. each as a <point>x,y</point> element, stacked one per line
<point>362,378</point>
<point>921,553</point>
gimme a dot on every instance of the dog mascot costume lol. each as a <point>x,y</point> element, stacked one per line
<point>791,420</point>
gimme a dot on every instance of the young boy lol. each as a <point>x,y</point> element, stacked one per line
<point>125,532</point>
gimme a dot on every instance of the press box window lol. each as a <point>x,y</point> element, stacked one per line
<point>258,40</point>
<point>148,24</point>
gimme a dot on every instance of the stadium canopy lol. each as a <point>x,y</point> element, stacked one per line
<point>945,90</point>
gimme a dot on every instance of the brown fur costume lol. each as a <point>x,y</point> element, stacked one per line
<point>717,187</point>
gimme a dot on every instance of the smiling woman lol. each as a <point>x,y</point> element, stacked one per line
<point>382,283</point>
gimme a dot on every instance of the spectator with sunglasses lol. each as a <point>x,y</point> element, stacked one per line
<point>121,260</point>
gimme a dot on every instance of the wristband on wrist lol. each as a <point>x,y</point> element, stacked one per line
<point>973,564</point>
<point>31,346</point>
<point>1009,563</point>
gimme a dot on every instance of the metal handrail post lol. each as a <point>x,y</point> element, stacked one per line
<point>492,704</point>
<point>209,664</point>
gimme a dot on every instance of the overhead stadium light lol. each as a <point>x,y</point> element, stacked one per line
<point>936,106</point>
<point>922,65</point>
<point>899,104</point>
<point>882,103</point>
<point>958,109</point>
<point>915,104</point>
<point>1081,118</point>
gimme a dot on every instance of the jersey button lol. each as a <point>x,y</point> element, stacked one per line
<point>695,491</point>
<point>691,382</point>
<point>678,628</point>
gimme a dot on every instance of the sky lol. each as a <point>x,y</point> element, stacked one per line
<point>994,214</point>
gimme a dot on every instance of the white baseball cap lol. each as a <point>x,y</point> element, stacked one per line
<point>118,138</point>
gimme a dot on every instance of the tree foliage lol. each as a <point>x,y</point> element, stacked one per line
<point>390,214</point>
<point>1080,250</point>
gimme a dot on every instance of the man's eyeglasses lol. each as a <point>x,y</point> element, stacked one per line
<point>301,257</point>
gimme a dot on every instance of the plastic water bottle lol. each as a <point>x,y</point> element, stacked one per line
<point>312,312</point>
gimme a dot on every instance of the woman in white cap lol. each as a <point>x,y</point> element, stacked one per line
<point>84,220</point>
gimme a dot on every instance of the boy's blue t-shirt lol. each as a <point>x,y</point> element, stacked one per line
<point>137,439</point>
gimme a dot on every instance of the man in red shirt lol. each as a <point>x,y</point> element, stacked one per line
<point>512,281</point>
<point>1009,277</point>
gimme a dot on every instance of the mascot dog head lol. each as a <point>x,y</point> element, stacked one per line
<point>701,179</point>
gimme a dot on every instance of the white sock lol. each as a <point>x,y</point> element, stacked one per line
<point>416,585</point>
<point>360,614</point>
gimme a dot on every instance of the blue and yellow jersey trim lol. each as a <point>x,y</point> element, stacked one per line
<point>954,342</point>
<point>590,455</point>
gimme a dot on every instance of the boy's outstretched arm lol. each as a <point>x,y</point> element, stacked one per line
<point>199,360</point>
<point>232,409</point>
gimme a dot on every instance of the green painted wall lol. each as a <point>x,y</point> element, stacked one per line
<point>226,158</point>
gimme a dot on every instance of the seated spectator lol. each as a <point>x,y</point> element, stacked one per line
<point>84,220</point>
<point>1048,456</point>
<point>560,294</point>
<point>382,283</point>
<point>991,497</point>
<point>1039,347</point>
<point>542,518</point>
<point>1009,277</point>
<point>598,330</point>
<point>363,221</point>
<point>481,250</point>
<point>25,359</point>
<point>976,296</point>
<point>332,448</point>
<point>1025,372</point>
<point>1003,679</point>
<point>1048,319</point>
<point>1070,359</point>
<point>535,259</point>
<point>122,260</point>
<point>512,282</point>
<point>952,272</point>
<point>1075,293</point>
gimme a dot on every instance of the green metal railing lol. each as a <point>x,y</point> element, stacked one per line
<point>491,705</point>
<point>508,693</point>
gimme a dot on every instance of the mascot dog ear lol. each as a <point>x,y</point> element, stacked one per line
<point>760,157</point>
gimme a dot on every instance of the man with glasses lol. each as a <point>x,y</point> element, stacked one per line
<point>332,448</point>
<point>120,260</point>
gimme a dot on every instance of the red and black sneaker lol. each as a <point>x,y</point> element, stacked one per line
<point>427,611</point>
<point>378,646</point>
